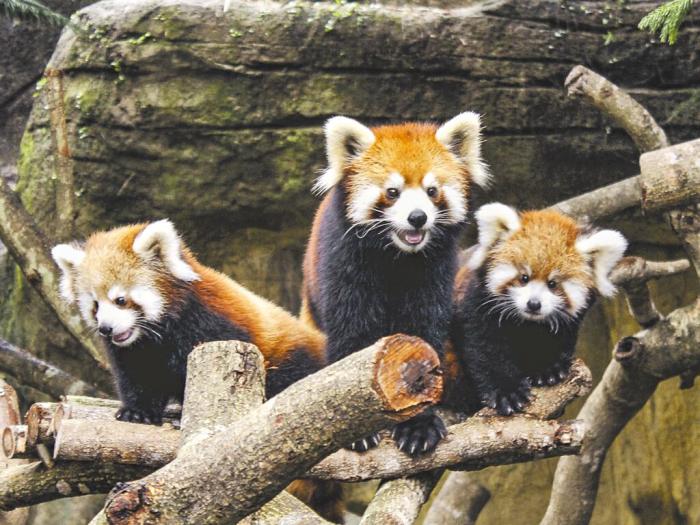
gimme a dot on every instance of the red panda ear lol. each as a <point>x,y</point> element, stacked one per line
<point>68,257</point>
<point>462,136</point>
<point>603,250</point>
<point>346,139</point>
<point>159,240</point>
<point>496,222</point>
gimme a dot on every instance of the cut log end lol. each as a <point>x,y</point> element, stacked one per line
<point>408,374</point>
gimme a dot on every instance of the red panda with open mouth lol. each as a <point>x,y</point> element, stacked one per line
<point>153,302</point>
<point>382,254</point>
<point>522,298</point>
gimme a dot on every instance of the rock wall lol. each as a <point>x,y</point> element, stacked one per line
<point>172,108</point>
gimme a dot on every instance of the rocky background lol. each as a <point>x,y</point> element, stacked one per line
<point>176,109</point>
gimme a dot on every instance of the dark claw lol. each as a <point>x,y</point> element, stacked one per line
<point>420,434</point>
<point>366,443</point>
<point>134,415</point>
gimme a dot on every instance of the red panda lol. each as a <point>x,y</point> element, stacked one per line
<point>153,302</point>
<point>523,296</point>
<point>382,253</point>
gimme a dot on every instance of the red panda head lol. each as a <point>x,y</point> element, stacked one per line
<point>122,279</point>
<point>405,181</point>
<point>541,265</point>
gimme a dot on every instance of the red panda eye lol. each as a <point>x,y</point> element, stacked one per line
<point>524,278</point>
<point>120,301</point>
<point>431,191</point>
<point>551,284</point>
<point>392,193</point>
<point>95,307</point>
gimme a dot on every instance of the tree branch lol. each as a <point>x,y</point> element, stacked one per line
<point>30,251</point>
<point>257,456</point>
<point>41,375</point>
<point>460,500</point>
<point>399,501</point>
<point>618,105</point>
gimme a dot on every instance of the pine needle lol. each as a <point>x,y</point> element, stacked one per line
<point>666,19</point>
<point>33,10</point>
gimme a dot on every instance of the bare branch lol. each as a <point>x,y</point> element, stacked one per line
<point>602,202</point>
<point>30,251</point>
<point>34,483</point>
<point>41,375</point>
<point>460,500</point>
<point>399,501</point>
<point>618,105</point>
<point>670,177</point>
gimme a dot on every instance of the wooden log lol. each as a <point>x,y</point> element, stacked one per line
<point>14,441</point>
<point>235,471</point>
<point>460,500</point>
<point>41,375</point>
<point>670,176</point>
<point>38,420</point>
<point>116,442</point>
<point>34,483</point>
<point>285,509</point>
<point>399,501</point>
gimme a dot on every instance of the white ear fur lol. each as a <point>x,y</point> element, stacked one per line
<point>68,257</point>
<point>495,221</point>
<point>462,136</point>
<point>603,249</point>
<point>160,238</point>
<point>345,138</point>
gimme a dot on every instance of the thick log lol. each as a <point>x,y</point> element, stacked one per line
<point>670,176</point>
<point>284,509</point>
<point>14,441</point>
<point>30,250</point>
<point>398,502</point>
<point>116,442</point>
<point>41,375</point>
<point>35,483</point>
<point>255,458</point>
<point>460,500</point>
<point>603,202</point>
<point>477,443</point>
<point>38,420</point>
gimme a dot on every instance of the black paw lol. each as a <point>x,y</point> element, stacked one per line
<point>552,376</point>
<point>508,402</point>
<point>420,434</point>
<point>364,444</point>
<point>137,415</point>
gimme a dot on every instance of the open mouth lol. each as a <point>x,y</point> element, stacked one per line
<point>412,237</point>
<point>122,337</point>
<point>533,317</point>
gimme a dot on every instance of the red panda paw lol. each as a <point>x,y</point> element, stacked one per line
<point>420,434</point>
<point>553,375</point>
<point>137,415</point>
<point>509,403</point>
<point>366,443</point>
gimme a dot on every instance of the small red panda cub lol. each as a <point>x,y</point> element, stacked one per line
<point>382,254</point>
<point>523,296</point>
<point>153,302</point>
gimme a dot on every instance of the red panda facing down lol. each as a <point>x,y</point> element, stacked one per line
<point>382,254</point>
<point>522,298</point>
<point>153,302</point>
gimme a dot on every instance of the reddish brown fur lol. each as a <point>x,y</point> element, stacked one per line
<point>545,242</point>
<point>273,330</point>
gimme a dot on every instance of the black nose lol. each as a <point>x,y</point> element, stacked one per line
<point>417,218</point>
<point>105,330</point>
<point>533,305</point>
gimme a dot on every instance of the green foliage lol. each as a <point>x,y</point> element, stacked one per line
<point>666,19</point>
<point>33,10</point>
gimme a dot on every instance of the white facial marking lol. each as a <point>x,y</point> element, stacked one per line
<point>410,199</point>
<point>121,320</point>
<point>429,180</point>
<point>116,291</point>
<point>149,300</point>
<point>500,275</point>
<point>577,294</point>
<point>85,304</point>
<point>538,291</point>
<point>364,200</point>
<point>456,203</point>
<point>395,180</point>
